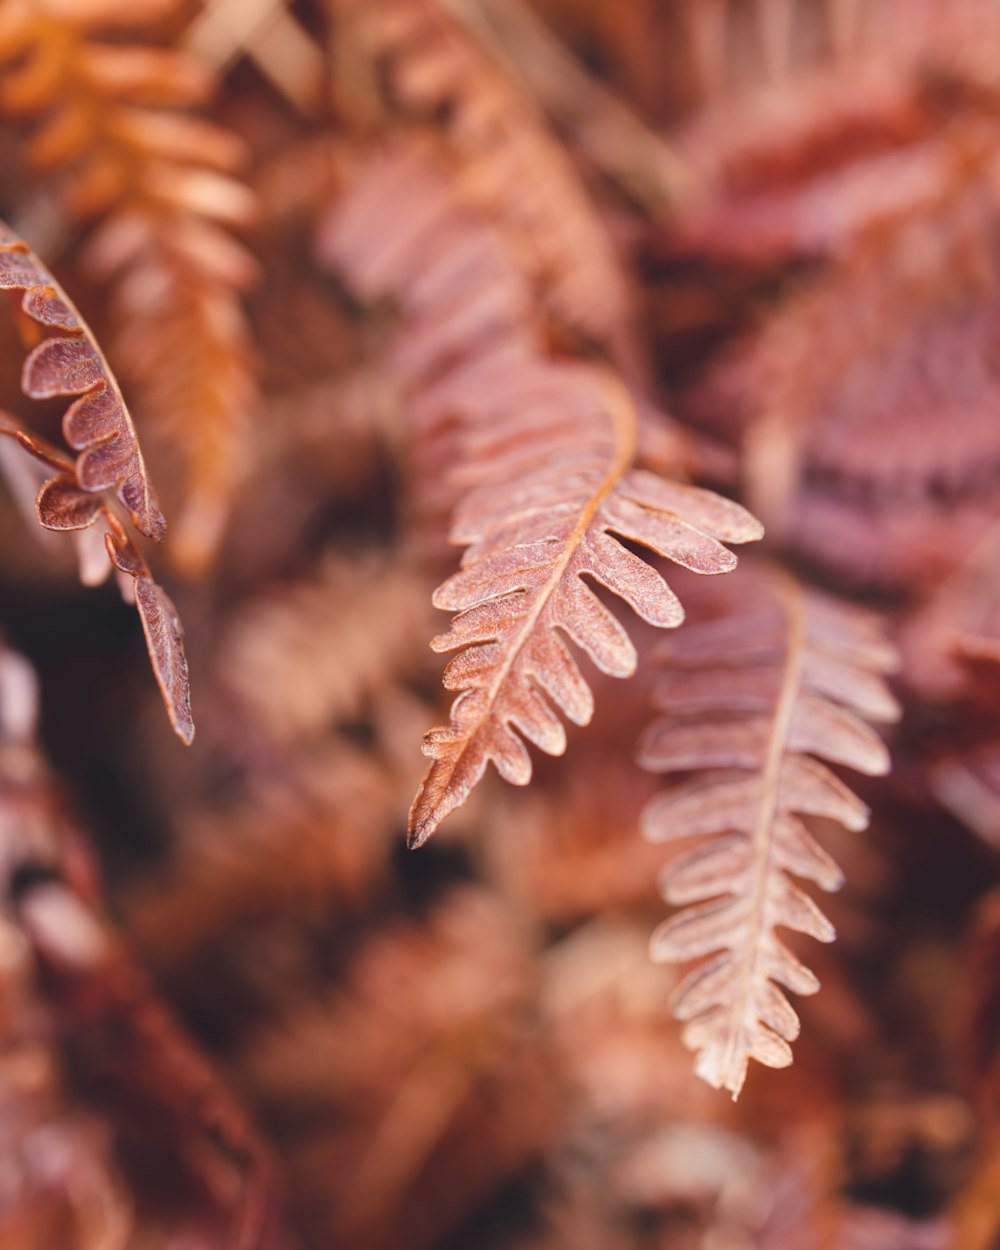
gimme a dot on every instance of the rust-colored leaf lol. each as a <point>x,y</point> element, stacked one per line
<point>98,425</point>
<point>162,627</point>
<point>755,699</point>
<point>536,460</point>
<point>62,505</point>
<point>557,497</point>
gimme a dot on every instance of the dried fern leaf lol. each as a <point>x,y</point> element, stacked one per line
<point>470,327</point>
<point>185,348</point>
<point>109,126</point>
<point>913,364</point>
<point>97,425</point>
<point>756,701</point>
<point>306,655</point>
<point>63,505</point>
<point>468,322</point>
<point>108,464</point>
<point>537,461</point>
<point>556,498</point>
<point>162,628</point>
<point>510,164</point>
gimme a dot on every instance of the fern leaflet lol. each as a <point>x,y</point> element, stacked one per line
<point>797,677</point>
<point>109,462</point>
<point>557,495</point>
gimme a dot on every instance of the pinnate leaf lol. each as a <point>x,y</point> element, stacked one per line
<point>162,627</point>
<point>556,499</point>
<point>98,425</point>
<point>752,713</point>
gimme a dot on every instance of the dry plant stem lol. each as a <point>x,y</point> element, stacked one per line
<point>790,597</point>
<point>613,137</point>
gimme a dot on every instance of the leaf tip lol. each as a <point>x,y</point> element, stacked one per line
<point>754,532</point>
<point>419,831</point>
<point>424,817</point>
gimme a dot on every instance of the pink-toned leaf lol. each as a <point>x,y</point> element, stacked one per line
<point>550,516</point>
<point>162,628</point>
<point>62,505</point>
<point>754,710</point>
<point>71,363</point>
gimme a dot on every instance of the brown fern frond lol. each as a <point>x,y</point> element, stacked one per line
<point>556,498</point>
<point>434,1099</point>
<point>305,655</point>
<point>542,455</point>
<point>70,363</point>
<point>232,871</point>
<point>107,126</point>
<point>509,162</point>
<point>596,121</point>
<point>161,626</point>
<point>470,315</point>
<point>878,456</point>
<point>754,703</point>
<point>925,292</point>
<point>109,462</point>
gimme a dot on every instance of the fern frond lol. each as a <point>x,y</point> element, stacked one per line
<point>436,1099</point>
<point>755,703</point>
<point>824,432</point>
<point>558,498</point>
<point>335,804</point>
<point>510,164</point>
<point>542,471</point>
<point>305,655</point>
<point>107,128</point>
<point>70,363</point>
<point>109,462</point>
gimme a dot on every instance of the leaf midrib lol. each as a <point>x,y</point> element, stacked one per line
<point>791,600</point>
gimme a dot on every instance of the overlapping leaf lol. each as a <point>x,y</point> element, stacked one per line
<point>754,702</point>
